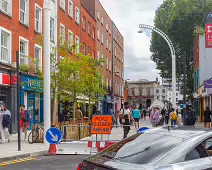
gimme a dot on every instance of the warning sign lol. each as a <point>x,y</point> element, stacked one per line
<point>101,124</point>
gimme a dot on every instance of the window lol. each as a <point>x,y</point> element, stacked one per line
<point>102,60</point>
<point>102,38</point>
<point>176,99</point>
<point>70,9</point>
<point>98,55</point>
<point>196,153</point>
<point>6,6</point>
<point>164,91</point>
<point>93,33</point>
<point>70,40</point>
<point>176,94</point>
<point>102,20</point>
<point>84,48</point>
<point>107,43</point>
<point>24,46</point>
<point>5,46</point>
<point>107,64</point>
<point>83,23</point>
<point>51,29</point>
<point>89,50</point>
<point>89,28</point>
<point>78,44</point>
<point>157,91</point>
<point>63,4</point>
<point>98,34</point>
<point>38,57</point>
<point>24,11</point>
<point>106,26</point>
<point>77,16</point>
<point>38,19</point>
<point>98,15</point>
<point>62,34</point>
<point>93,54</point>
<point>110,69</point>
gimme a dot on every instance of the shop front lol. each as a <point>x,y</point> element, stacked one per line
<point>32,97</point>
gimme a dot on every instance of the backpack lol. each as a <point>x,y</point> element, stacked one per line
<point>174,116</point>
<point>6,122</point>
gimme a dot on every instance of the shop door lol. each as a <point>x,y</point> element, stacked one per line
<point>31,108</point>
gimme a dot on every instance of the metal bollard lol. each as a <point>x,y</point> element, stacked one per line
<point>64,132</point>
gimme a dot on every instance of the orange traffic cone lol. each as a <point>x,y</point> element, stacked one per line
<point>52,149</point>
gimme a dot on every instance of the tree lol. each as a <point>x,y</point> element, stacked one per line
<point>178,19</point>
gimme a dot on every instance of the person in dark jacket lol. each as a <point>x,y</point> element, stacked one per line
<point>190,117</point>
<point>207,117</point>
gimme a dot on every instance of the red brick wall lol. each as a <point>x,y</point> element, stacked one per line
<point>17,29</point>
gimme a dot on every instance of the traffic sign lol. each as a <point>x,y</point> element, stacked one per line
<point>53,136</point>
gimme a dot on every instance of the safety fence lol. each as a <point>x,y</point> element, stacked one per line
<point>92,144</point>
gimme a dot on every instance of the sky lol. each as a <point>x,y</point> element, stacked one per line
<point>127,15</point>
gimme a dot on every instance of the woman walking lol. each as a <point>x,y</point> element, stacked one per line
<point>155,117</point>
<point>5,122</point>
<point>207,117</point>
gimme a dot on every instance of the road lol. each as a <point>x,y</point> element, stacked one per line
<point>58,162</point>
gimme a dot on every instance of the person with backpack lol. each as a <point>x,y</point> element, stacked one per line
<point>173,117</point>
<point>24,120</point>
<point>125,117</point>
<point>5,118</point>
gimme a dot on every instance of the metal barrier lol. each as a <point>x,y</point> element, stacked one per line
<point>85,143</point>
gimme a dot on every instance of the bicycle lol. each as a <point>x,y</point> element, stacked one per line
<point>36,134</point>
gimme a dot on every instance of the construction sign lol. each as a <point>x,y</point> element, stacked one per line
<point>101,124</point>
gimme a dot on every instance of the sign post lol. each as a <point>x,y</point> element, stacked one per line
<point>101,124</point>
<point>53,136</point>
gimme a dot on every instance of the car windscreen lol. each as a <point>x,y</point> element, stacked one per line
<point>139,148</point>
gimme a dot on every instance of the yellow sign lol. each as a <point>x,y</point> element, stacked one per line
<point>101,124</point>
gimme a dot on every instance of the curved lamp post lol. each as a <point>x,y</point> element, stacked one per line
<point>141,26</point>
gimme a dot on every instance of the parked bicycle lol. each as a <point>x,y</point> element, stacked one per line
<point>36,134</point>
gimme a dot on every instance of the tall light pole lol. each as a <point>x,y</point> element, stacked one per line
<point>47,76</point>
<point>141,26</point>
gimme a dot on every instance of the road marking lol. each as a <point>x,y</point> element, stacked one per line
<point>17,161</point>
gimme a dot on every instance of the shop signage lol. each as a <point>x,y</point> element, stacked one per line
<point>207,84</point>
<point>4,79</point>
<point>101,124</point>
<point>31,83</point>
<point>208,35</point>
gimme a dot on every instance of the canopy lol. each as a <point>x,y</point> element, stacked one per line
<point>158,104</point>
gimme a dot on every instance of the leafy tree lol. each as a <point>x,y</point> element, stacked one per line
<point>178,19</point>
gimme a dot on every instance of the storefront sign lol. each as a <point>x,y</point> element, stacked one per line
<point>101,124</point>
<point>208,84</point>
<point>208,35</point>
<point>4,79</point>
<point>31,83</point>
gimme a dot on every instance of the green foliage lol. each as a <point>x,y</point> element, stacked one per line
<point>180,20</point>
<point>24,68</point>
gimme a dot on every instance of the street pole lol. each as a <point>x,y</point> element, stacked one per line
<point>113,92</point>
<point>47,77</point>
<point>184,93</point>
<point>18,101</point>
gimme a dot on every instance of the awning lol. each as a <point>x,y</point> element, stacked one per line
<point>158,104</point>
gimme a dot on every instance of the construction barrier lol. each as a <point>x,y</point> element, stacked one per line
<point>91,144</point>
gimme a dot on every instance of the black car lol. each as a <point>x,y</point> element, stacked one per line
<point>153,148</point>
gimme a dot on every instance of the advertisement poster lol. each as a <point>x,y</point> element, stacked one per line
<point>208,35</point>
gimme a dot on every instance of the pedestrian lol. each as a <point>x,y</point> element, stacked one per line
<point>166,117</point>
<point>24,120</point>
<point>111,113</point>
<point>78,115</point>
<point>136,115</point>
<point>173,117</point>
<point>189,116</point>
<point>125,115</point>
<point>155,117</point>
<point>5,119</point>
<point>207,117</point>
<point>144,113</point>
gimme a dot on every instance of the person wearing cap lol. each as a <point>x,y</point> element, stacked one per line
<point>24,120</point>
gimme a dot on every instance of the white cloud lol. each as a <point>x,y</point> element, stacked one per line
<point>127,15</point>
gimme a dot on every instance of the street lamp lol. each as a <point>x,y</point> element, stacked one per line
<point>47,77</point>
<point>141,26</point>
<point>113,94</point>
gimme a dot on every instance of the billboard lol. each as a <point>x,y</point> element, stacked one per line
<point>208,30</point>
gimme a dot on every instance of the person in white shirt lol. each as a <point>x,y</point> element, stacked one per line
<point>125,117</point>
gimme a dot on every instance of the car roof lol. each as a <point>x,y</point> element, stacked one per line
<point>184,132</point>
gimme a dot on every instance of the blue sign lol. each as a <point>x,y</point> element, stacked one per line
<point>143,129</point>
<point>53,136</point>
<point>31,83</point>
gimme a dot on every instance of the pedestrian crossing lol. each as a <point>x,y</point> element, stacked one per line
<point>22,160</point>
